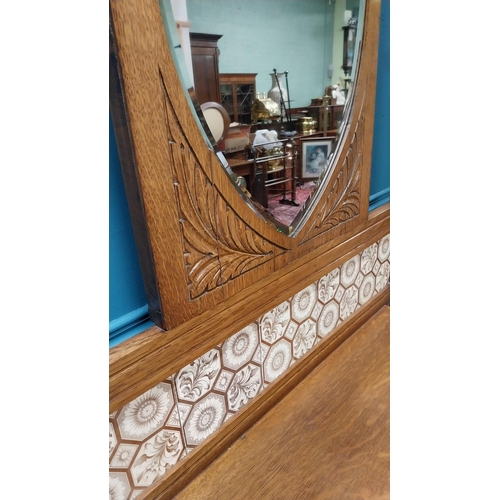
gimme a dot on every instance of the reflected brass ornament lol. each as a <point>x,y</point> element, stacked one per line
<point>307,124</point>
<point>264,109</point>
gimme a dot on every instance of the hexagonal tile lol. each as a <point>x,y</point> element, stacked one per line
<point>274,323</point>
<point>247,383</point>
<point>239,349</point>
<point>147,413</point>
<point>112,438</point>
<point>327,286</point>
<point>304,338</point>
<point>119,487</point>
<point>382,276</point>
<point>198,378</point>
<point>349,302</point>
<point>368,258</point>
<point>156,456</point>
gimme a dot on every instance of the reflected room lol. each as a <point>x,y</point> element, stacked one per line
<point>269,82</point>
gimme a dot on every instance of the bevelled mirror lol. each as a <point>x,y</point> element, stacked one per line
<point>285,124</point>
<point>218,220</point>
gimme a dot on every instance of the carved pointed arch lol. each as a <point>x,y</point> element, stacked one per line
<point>218,245</point>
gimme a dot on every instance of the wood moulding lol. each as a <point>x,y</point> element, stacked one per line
<point>144,360</point>
<point>200,244</point>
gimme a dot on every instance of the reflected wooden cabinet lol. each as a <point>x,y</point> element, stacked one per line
<point>205,58</point>
<point>237,92</point>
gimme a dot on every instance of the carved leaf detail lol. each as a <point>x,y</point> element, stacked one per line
<point>343,201</point>
<point>218,244</point>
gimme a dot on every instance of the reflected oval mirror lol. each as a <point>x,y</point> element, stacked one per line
<point>282,72</point>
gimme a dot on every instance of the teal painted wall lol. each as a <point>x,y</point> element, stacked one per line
<point>127,299</point>
<point>380,178</point>
<point>260,35</point>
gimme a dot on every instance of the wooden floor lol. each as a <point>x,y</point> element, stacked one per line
<point>327,439</point>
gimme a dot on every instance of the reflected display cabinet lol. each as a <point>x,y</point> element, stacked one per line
<point>237,92</point>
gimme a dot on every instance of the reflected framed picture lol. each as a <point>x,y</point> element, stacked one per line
<point>315,153</point>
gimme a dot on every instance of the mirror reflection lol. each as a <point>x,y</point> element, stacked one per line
<point>278,73</point>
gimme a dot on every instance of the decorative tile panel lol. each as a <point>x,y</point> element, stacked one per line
<point>146,440</point>
<point>151,434</point>
<point>218,384</point>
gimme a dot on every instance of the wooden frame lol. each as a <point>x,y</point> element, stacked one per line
<point>205,253</point>
<point>211,262</point>
<point>311,165</point>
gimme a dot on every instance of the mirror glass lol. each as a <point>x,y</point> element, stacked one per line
<point>282,73</point>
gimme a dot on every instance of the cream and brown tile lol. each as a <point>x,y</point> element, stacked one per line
<point>276,349</point>
<point>218,384</point>
<point>145,441</point>
<point>160,427</point>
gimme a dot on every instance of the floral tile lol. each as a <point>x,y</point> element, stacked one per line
<point>218,384</point>
<point>276,348</point>
<point>328,285</point>
<point>304,302</point>
<point>328,319</point>
<point>159,428</point>
<point>349,271</point>
<point>368,258</point>
<point>145,441</point>
<point>367,288</point>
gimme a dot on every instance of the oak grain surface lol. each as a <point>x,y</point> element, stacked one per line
<point>327,439</point>
<point>203,242</point>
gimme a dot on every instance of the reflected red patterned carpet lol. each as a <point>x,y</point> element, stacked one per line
<point>286,213</point>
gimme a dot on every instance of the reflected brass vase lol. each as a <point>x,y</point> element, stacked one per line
<point>307,124</point>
